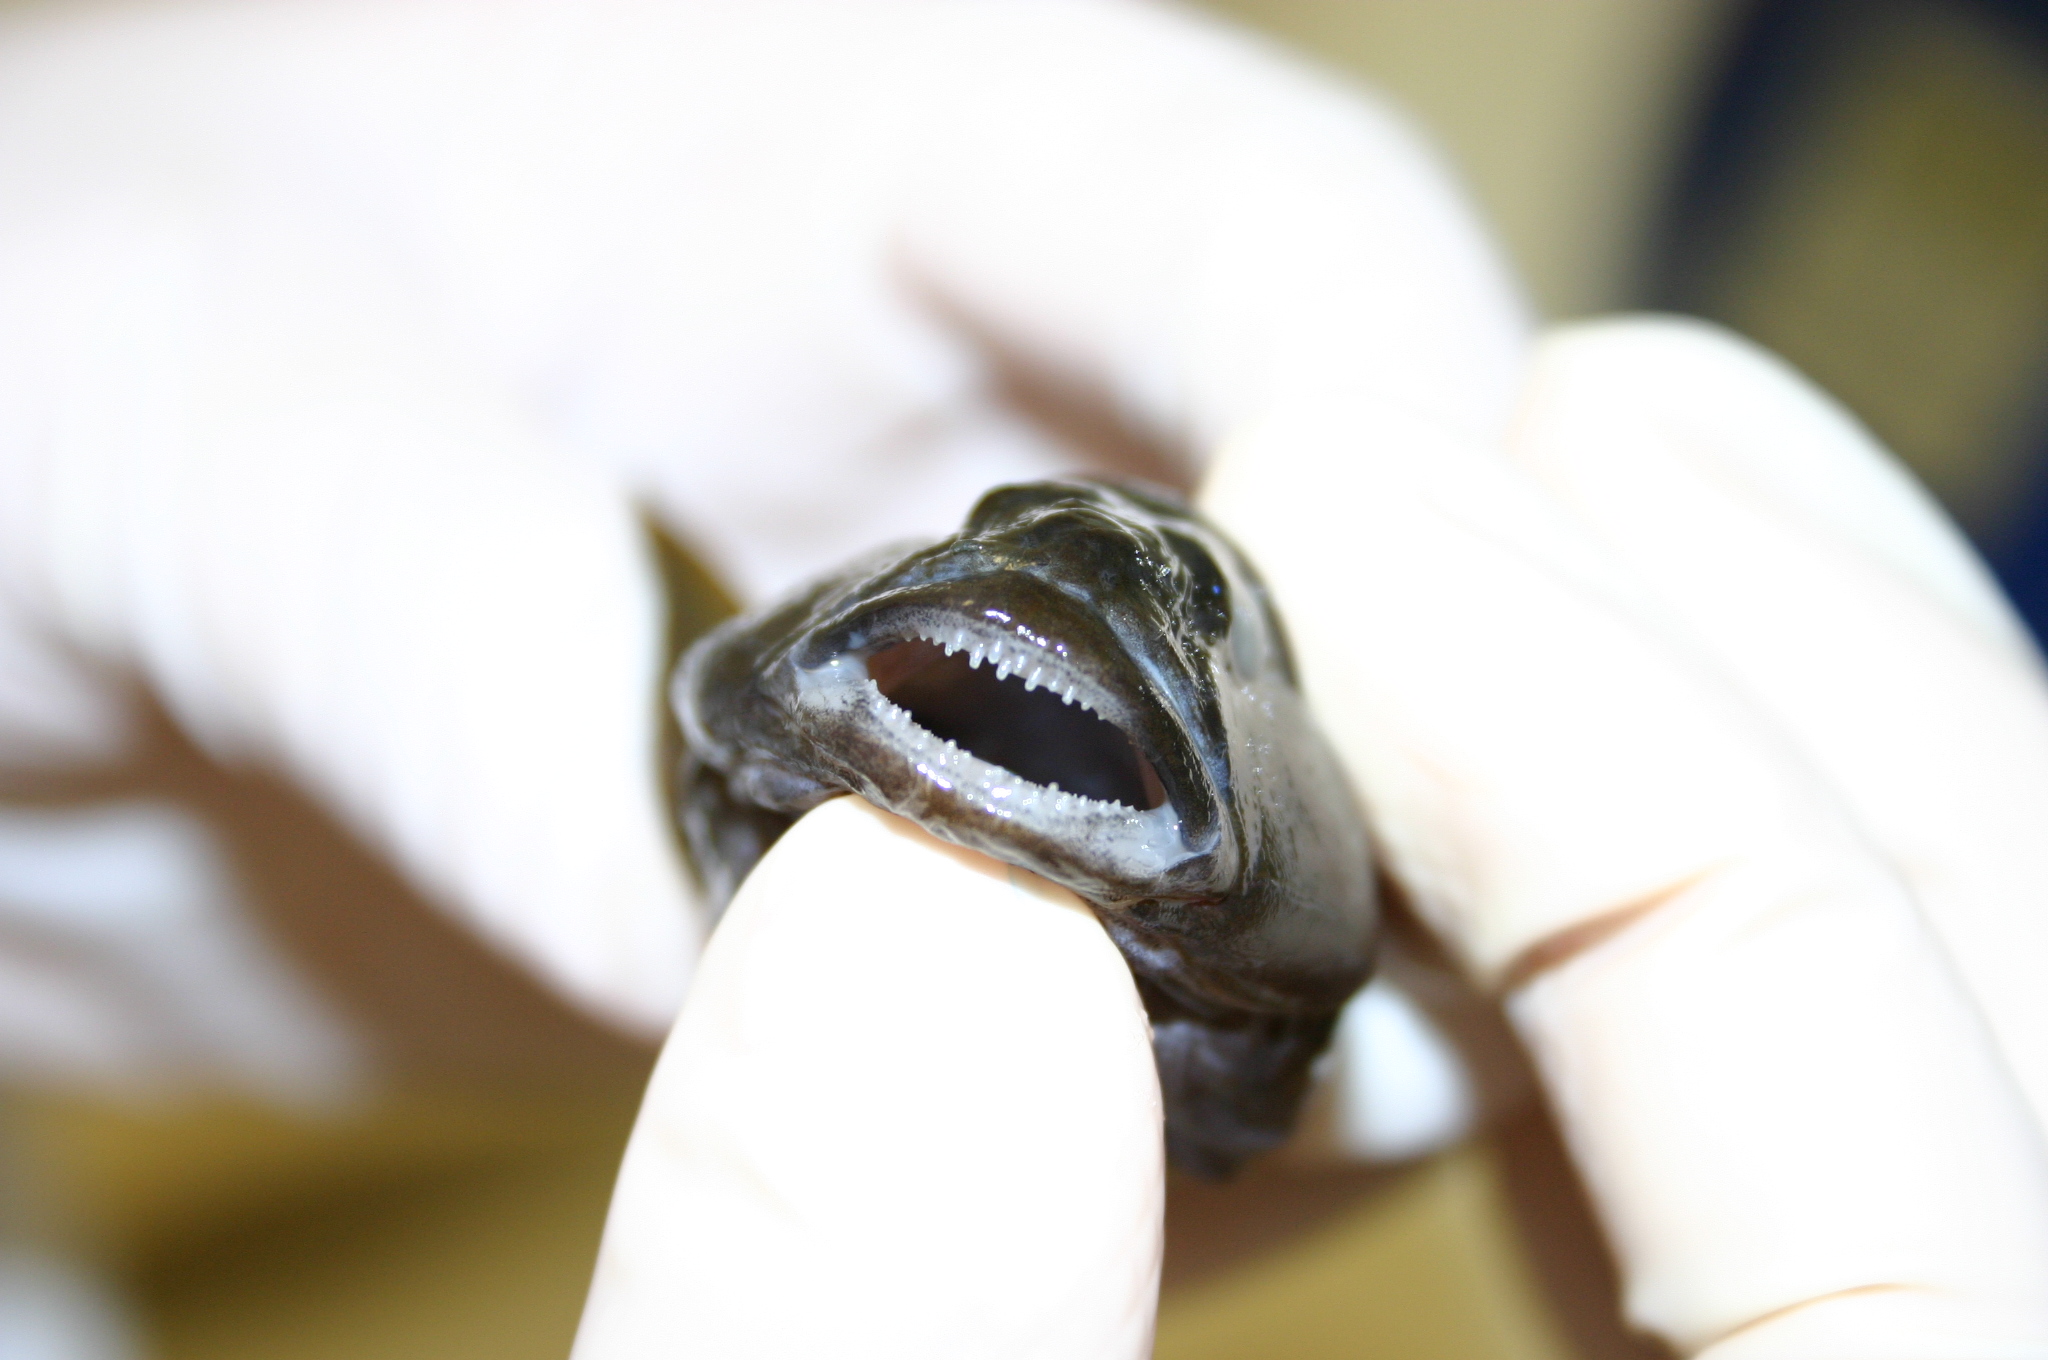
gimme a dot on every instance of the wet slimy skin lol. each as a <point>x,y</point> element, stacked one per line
<point>1089,682</point>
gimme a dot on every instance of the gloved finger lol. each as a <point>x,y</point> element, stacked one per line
<point>910,1110</point>
<point>1196,226</point>
<point>236,463</point>
<point>778,331</point>
<point>1830,588</point>
<point>1796,1129</point>
<point>753,259</point>
<point>822,238</point>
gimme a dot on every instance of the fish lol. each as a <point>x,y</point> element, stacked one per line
<point>1088,681</point>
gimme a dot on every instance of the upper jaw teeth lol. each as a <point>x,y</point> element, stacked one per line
<point>1012,657</point>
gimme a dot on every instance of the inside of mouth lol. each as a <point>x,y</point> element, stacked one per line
<point>1034,735</point>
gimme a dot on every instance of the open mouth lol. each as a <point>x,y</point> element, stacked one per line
<point>1027,721</point>
<point>999,722</point>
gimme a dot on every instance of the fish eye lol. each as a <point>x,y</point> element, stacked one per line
<point>1208,593</point>
<point>1035,733</point>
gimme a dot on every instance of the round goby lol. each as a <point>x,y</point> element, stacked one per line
<point>1087,681</point>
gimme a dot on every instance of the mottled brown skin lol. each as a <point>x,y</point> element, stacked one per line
<point>1151,752</point>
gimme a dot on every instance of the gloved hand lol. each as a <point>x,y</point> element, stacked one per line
<point>1703,739</point>
<point>339,344</point>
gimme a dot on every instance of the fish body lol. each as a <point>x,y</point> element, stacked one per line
<point>1090,682</point>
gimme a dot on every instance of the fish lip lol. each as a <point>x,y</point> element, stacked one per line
<point>1114,841</point>
<point>818,678</point>
<point>989,634</point>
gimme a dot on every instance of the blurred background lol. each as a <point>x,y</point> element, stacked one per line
<point>1861,185</point>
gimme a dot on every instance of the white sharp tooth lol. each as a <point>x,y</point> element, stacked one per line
<point>960,640</point>
<point>1031,680</point>
<point>974,659</point>
<point>1002,670</point>
<point>1070,694</point>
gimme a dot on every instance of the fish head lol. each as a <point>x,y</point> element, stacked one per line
<point>1089,681</point>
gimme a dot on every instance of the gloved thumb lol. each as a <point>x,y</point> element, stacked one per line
<point>910,1110</point>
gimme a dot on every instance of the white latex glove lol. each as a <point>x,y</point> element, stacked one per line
<point>337,343</point>
<point>1703,739</point>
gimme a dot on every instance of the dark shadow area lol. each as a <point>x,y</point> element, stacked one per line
<point>1864,191</point>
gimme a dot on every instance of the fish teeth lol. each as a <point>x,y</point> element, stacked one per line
<point>946,763</point>
<point>1034,665</point>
